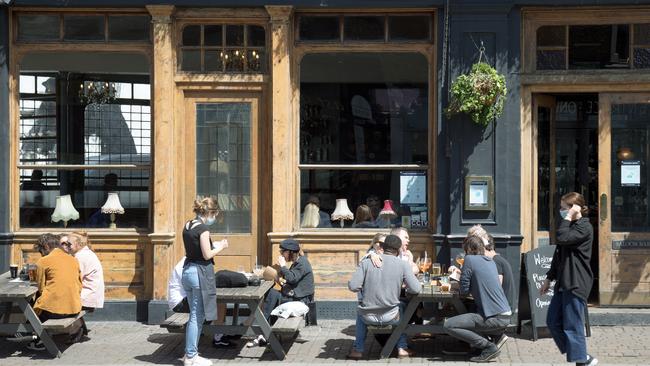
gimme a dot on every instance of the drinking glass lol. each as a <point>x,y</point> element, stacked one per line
<point>460,259</point>
<point>436,269</point>
<point>258,270</point>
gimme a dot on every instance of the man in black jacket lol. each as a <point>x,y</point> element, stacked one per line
<point>571,271</point>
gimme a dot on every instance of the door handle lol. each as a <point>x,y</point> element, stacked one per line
<point>603,206</point>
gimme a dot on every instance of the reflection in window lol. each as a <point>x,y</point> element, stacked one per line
<point>364,109</point>
<point>630,155</point>
<point>111,133</point>
<point>223,162</point>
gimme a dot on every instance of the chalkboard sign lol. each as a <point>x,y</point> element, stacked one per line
<point>532,305</point>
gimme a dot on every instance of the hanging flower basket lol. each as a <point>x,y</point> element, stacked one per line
<point>480,94</point>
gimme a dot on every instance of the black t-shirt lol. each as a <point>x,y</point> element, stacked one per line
<point>192,241</point>
<point>508,284</point>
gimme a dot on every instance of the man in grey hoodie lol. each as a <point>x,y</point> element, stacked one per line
<point>380,287</point>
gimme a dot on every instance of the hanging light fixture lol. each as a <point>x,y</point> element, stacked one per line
<point>97,92</point>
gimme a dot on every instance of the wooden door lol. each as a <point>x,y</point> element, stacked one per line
<point>623,183</point>
<point>222,160</point>
<point>544,173</point>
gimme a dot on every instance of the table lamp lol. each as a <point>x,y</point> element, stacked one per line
<point>64,210</point>
<point>113,206</point>
<point>387,214</point>
<point>342,211</point>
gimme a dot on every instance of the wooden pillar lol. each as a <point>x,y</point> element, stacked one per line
<point>284,129</point>
<point>162,237</point>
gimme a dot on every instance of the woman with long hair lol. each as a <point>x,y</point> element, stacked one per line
<point>571,271</point>
<point>198,275</point>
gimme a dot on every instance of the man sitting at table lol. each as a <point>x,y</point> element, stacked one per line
<point>479,278</point>
<point>381,286</point>
<point>59,285</point>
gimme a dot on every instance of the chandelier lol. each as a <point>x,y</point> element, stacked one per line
<point>97,92</point>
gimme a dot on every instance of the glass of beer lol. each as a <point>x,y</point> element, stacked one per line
<point>31,270</point>
<point>436,269</point>
<point>460,259</point>
<point>445,286</point>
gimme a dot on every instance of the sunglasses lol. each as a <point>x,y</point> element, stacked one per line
<point>66,244</point>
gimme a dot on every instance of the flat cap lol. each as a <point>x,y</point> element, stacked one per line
<point>290,244</point>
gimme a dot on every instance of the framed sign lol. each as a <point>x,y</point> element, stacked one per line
<point>479,193</point>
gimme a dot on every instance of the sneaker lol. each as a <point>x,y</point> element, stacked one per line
<point>591,361</point>
<point>223,342</point>
<point>259,341</point>
<point>489,353</point>
<point>196,361</point>
<point>22,337</point>
<point>354,355</point>
<point>36,345</point>
<point>501,341</point>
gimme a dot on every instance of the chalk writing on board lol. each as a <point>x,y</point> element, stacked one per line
<point>542,260</point>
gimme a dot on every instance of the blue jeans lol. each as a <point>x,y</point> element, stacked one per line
<point>194,326</point>
<point>565,322</point>
<point>362,330</point>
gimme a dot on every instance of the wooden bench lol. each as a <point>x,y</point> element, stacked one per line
<point>377,329</point>
<point>58,326</point>
<point>289,325</point>
<point>176,322</point>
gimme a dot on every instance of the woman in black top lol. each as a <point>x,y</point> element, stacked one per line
<point>571,271</point>
<point>198,275</point>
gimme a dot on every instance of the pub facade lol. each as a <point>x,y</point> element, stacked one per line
<point>117,115</point>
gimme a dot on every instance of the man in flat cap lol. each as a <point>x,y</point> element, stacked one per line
<point>298,285</point>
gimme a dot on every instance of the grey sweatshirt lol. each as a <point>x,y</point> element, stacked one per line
<point>381,286</point>
<point>480,278</point>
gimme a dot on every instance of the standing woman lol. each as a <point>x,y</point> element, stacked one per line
<point>198,275</point>
<point>571,271</point>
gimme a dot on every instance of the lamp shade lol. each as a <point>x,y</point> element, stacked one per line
<point>64,210</point>
<point>113,205</point>
<point>342,211</point>
<point>387,211</point>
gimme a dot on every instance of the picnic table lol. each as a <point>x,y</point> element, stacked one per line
<point>428,294</point>
<point>252,296</point>
<point>20,293</point>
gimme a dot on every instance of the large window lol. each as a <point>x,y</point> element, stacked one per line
<point>86,134</point>
<point>575,47</point>
<point>364,137</point>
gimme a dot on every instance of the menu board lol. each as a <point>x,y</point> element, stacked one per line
<point>532,305</point>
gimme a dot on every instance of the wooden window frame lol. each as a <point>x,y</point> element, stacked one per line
<point>534,18</point>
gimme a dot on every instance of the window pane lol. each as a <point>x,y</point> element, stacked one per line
<point>234,35</point>
<point>192,35</point>
<point>38,27</point>
<point>544,167</point>
<point>234,60</point>
<point>223,162</point>
<point>38,122</point>
<point>599,46</point>
<point>642,34</point>
<point>213,35</point>
<point>214,60</point>
<point>319,28</point>
<point>406,189</point>
<point>642,58</point>
<point>83,28</point>
<point>129,28</point>
<point>380,105</point>
<point>551,60</point>
<point>256,36</point>
<point>551,36</point>
<point>88,190</point>
<point>256,61</point>
<point>364,28</point>
<point>630,128</point>
<point>191,60</point>
<point>409,28</point>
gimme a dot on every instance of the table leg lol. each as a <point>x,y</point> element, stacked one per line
<point>458,305</point>
<point>401,327</point>
<point>265,329</point>
<point>32,318</point>
<point>235,314</point>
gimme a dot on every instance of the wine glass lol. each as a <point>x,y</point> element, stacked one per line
<point>424,264</point>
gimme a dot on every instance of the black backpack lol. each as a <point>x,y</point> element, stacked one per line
<point>225,278</point>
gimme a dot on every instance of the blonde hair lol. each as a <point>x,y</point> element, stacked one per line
<point>479,232</point>
<point>204,206</point>
<point>363,214</point>
<point>377,239</point>
<point>79,237</point>
<point>310,218</point>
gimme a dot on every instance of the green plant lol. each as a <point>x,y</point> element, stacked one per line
<point>480,94</point>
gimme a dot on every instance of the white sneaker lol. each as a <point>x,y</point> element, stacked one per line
<point>196,361</point>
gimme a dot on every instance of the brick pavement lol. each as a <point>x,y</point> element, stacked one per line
<point>131,343</point>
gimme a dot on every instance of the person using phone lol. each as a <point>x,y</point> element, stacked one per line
<point>571,271</point>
